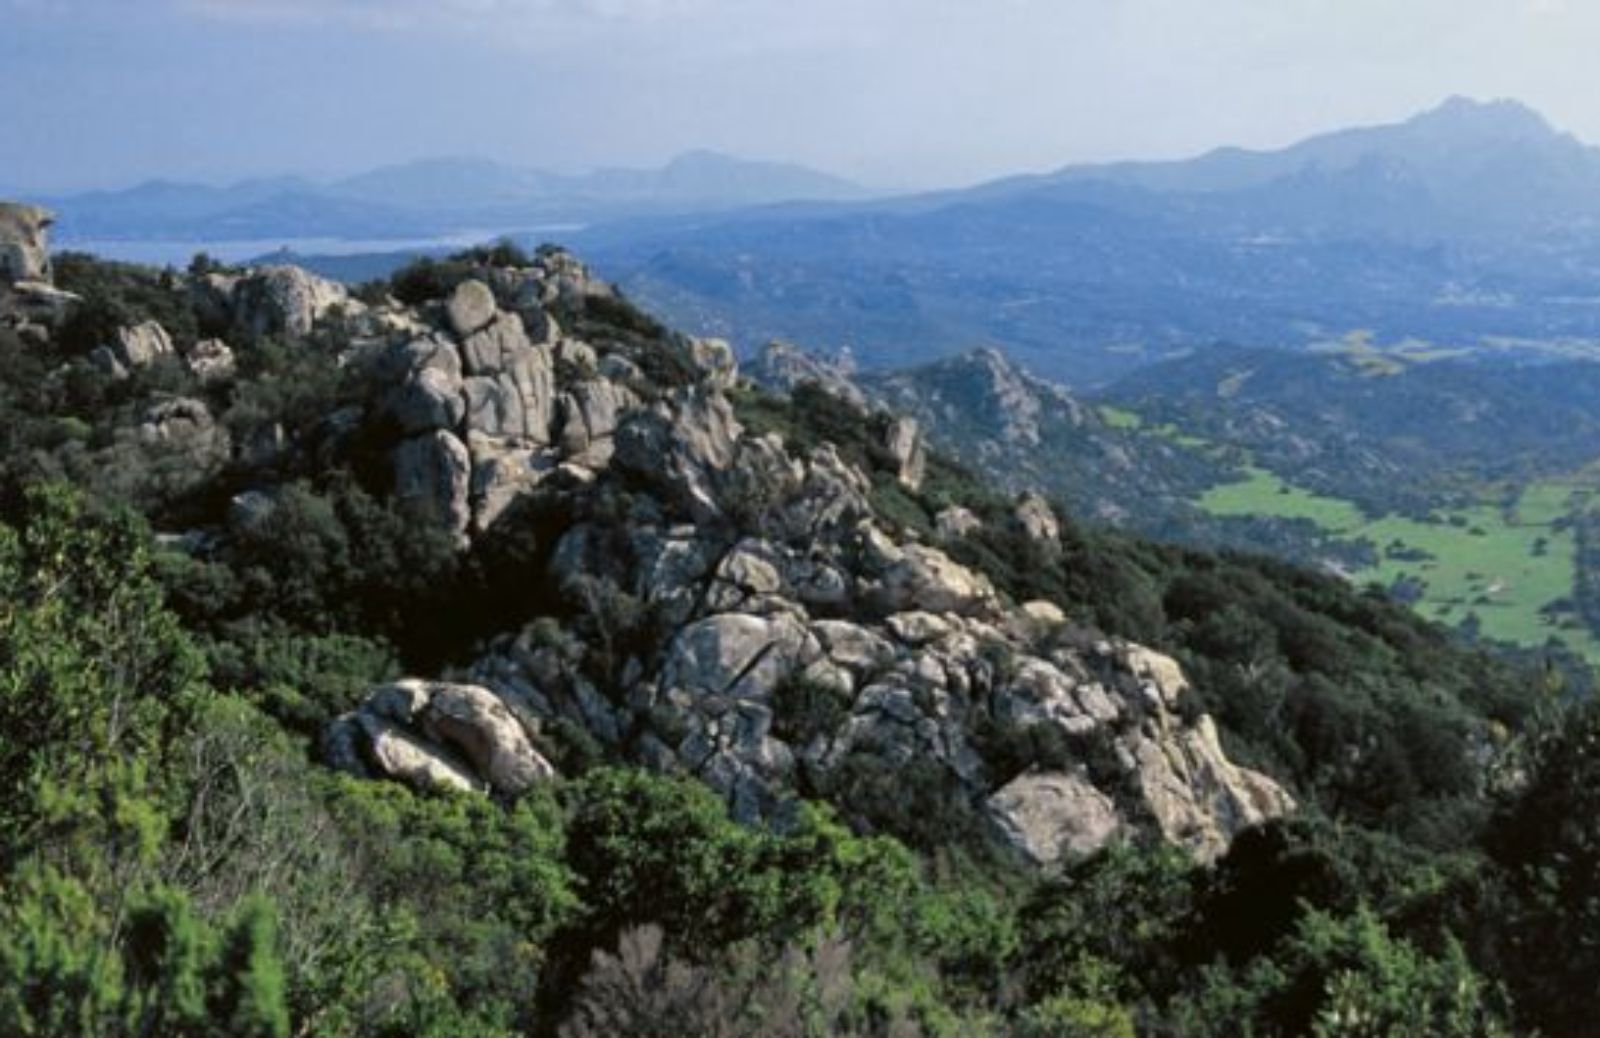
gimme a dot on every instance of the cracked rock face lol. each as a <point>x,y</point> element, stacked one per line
<point>761,626</point>
<point>437,734</point>
<point>919,659</point>
<point>279,300</point>
<point>141,345</point>
<point>24,243</point>
<point>1051,816</point>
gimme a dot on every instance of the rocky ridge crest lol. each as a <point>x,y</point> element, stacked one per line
<point>764,627</point>
<point>714,600</point>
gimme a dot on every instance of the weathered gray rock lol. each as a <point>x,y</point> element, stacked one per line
<point>745,578</point>
<point>768,585</point>
<point>925,578</point>
<point>711,360</point>
<point>434,471</point>
<point>496,346</point>
<point>1040,617</point>
<point>510,389</point>
<point>475,723</point>
<point>470,308</point>
<point>853,646</point>
<point>439,734</point>
<point>1037,519</point>
<point>279,300</point>
<point>955,523</point>
<point>24,243</point>
<point>1160,675</point>
<point>567,281</point>
<point>783,367</point>
<point>578,354</point>
<point>590,414</point>
<point>682,448</point>
<point>185,424</point>
<point>737,654</point>
<point>902,438</point>
<point>428,393</point>
<point>1050,817</point>
<point>141,345</point>
<point>832,499</point>
<point>397,754</point>
<point>211,361</point>
<point>430,399</point>
<point>502,471</point>
<point>1198,797</point>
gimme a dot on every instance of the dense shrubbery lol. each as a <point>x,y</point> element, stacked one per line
<point>171,863</point>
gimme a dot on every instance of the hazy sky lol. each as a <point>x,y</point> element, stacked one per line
<point>894,92</point>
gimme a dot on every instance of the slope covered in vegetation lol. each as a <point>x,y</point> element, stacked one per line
<point>176,858</point>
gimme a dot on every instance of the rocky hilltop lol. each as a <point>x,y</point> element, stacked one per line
<point>743,610</point>
<point>798,641</point>
<point>469,653</point>
<point>1027,432</point>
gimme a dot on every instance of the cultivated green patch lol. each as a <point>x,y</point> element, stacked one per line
<point>1504,566</point>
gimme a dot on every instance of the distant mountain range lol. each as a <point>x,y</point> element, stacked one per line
<point>1473,224</point>
<point>436,197</point>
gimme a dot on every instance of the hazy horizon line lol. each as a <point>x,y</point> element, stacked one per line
<point>331,177</point>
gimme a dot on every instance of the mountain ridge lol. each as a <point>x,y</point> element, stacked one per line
<point>1474,224</point>
<point>439,195</point>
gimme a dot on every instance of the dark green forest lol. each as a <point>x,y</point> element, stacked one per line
<point>175,858</point>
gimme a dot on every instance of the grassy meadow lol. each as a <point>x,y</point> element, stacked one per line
<point>1504,560</point>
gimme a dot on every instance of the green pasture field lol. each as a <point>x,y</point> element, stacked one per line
<point>1504,560</point>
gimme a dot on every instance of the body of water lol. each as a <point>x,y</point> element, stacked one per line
<point>162,253</point>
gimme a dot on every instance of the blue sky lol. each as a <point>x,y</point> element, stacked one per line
<point>893,92</point>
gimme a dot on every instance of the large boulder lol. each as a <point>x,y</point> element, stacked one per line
<point>590,414</point>
<point>211,361</point>
<point>1052,816</point>
<point>902,439</point>
<point>428,392</point>
<point>510,383</point>
<point>923,577</point>
<point>470,308</point>
<point>711,360</point>
<point>681,448</point>
<point>1036,519</point>
<point>141,345</point>
<point>1198,797</point>
<point>434,471</point>
<point>737,654</point>
<point>24,243</point>
<point>785,367</point>
<point>439,734</point>
<point>280,300</point>
<point>502,471</point>
<point>185,425</point>
<point>955,522</point>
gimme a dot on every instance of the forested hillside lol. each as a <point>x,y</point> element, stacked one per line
<point>472,655</point>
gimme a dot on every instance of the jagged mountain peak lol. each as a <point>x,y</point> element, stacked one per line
<point>1496,117</point>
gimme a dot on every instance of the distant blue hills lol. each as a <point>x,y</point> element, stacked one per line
<point>435,197</point>
<point>1474,226</point>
